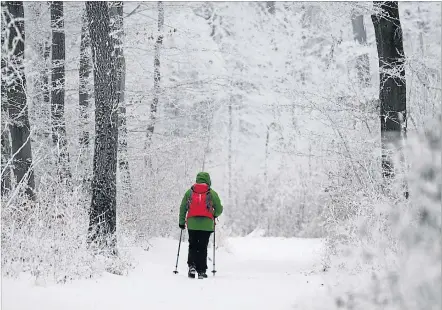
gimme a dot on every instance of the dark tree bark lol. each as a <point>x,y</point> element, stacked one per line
<point>58,89</point>
<point>6,151</point>
<point>270,6</point>
<point>84,102</point>
<point>362,61</point>
<point>102,221</point>
<point>392,91</point>
<point>156,78</point>
<point>6,143</point>
<point>116,12</point>
<point>84,73</point>
<point>16,98</point>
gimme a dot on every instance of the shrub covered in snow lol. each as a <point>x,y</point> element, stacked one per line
<point>48,238</point>
<point>396,240</point>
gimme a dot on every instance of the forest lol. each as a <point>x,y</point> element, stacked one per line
<point>316,121</point>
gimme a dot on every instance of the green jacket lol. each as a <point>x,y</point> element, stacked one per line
<point>199,222</point>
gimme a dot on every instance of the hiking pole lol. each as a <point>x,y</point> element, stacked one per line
<point>214,229</point>
<point>178,254</point>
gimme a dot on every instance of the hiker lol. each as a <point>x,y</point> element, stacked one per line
<point>202,206</point>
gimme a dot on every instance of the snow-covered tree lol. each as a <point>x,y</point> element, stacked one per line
<point>103,217</point>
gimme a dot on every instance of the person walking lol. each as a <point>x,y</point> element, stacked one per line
<point>199,209</point>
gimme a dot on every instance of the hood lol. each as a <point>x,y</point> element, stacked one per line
<point>203,177</point>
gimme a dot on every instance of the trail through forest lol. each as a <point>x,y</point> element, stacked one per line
<point>253,273</point>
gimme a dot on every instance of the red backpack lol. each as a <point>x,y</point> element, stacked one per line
<point>200,201</point>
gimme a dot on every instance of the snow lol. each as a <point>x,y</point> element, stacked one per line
<point>253,273</point>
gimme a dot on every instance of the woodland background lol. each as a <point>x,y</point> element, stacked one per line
<point>278,101</point>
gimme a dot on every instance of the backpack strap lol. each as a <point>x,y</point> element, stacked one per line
<point>209,202</point>
<point>189,200</point>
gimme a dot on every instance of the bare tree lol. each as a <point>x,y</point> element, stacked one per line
<point>84,96</point>
<point>40,98</point>
<point>6,142</point>
<point>5,145</point>
<point>229,151</point>
<point>58,89</point>
<point>102,220</point>
<point>116,13</point>
<point>392,90</point>
<point>362,61</point>
<point>156,79</point>
<point>16,97</point>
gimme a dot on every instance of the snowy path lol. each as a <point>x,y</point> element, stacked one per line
<point>256,273</point>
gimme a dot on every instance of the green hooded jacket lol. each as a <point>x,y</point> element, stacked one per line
<point>200,222</point>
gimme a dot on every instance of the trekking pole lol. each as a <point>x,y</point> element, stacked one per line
<point>214,229</point>
<point>178,254</point>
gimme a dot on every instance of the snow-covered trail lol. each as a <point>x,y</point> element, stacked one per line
<point>253,273</point>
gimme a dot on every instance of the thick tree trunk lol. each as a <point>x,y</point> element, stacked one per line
<point>362,61</point>
<point>16,95</point>
<point>392,92</point>
<point>58,90</point>
<point>156,80</point>
<point>116,12</point>
<point>102,221</point>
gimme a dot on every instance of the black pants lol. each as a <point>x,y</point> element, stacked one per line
<point>198,242</point>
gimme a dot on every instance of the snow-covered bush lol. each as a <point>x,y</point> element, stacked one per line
<point>398,240</point>
<point>48,237</point>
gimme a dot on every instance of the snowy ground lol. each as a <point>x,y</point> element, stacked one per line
<point>253,273</point>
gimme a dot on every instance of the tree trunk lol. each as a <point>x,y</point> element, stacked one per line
<point>156,79</point>
<point>362,61</point>
<point>392,92</point>
<point>40,97</point>
<point>6,142</point>
<point>84,73</point>
<point>6,149</point>
<point>266,158</point>
<point>270,6</point>
<point>46,73</point>
<point>102,220</point>
<point>116,12</point>
<point>229,163</point>
<point>84,98</point>
<point>58,90</point>
<point>16,95</point>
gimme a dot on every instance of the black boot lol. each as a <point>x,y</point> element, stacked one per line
<point>202,275</point>
<point>191,273</point>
